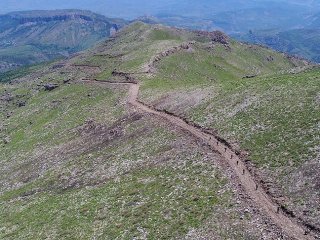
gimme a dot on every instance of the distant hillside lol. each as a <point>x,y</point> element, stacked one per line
<point>35,36</point>
<point>237,16</point>
<point>289,28</point>
<point>313,21</point>
<point>301,42</point>
<point>276,15</point>
<point>129,9</point>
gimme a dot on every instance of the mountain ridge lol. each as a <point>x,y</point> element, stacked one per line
<point>34,36</point>
<point>80,156</point>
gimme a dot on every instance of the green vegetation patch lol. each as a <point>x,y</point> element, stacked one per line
<point>136,45</point>
<point>159,34</point>
<point>158,203</point>
<point>275,118</point>
<point>48,116</point>
<point>18,73</point>
<point>208,65</point>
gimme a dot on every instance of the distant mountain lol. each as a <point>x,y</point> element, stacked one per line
<point>313,21</point>
<point>294,24</point>
<point>48,34</point>
<point>239,16</point>
<point>129,9</point>
<point>280,16</point>
<point>180,22</point>
<point>301,42</point>
<point>34,36</point>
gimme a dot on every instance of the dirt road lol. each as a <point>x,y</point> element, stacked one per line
<point>253,190</point>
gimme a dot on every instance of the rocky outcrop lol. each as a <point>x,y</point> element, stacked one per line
<point>215,36</point>
<point>6,140</point>
<point>50,86</point>
<point>126,76</point>
<point>7,97</point>
<point>21,103</point>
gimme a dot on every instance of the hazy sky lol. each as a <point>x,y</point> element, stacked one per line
<point>120,8</point>
<point>133,8</point>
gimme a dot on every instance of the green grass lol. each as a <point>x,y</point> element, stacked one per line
<point>132,175</point>
<point>26,54</point>
<point>48,116</point>
<point>18,73</point>
<point>218,68</point>
<point>163,202</point>
<point>159,34</point>
<point>284,104</point>
<point>275,118</point>
<point>129,45</point>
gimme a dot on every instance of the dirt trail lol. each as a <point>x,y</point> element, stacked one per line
<point>253,190</point>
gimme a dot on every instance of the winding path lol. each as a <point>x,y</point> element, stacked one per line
<point>289,225</point>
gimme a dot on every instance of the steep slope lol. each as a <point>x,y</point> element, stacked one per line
<point>273,118</point>
<point>35,36</point>
<point>88,164</point>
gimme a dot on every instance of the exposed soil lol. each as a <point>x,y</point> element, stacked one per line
<point>278,214</point>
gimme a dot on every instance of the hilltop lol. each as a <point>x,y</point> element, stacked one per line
<point>120,141</point>
<point>34,36</point>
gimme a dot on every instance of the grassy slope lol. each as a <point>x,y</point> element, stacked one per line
<point>80,165</point>
<point>22,55</point>
<point>276,119</point>
<point>134,47</point>
<point>205,67</point>
<point>18,73</point>
<point>258,110</point>
<point>67,183</point>
<point>128,175</point>
<point>274,116</point>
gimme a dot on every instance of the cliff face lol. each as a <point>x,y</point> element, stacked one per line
<point>55,18</point>
<point>34,36</point>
